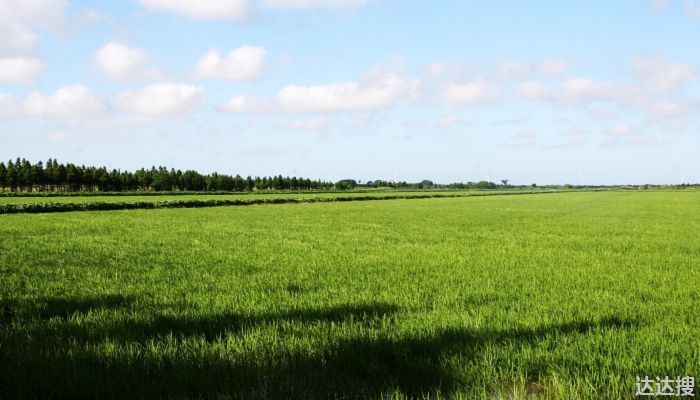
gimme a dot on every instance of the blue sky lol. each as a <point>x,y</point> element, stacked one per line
<point>455,90</point>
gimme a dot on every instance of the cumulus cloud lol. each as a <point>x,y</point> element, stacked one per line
<point>652,82</point>
<point>654,88</point>
<point>376,90</point>
<point>659,75</point>
<point>528,135</point>
<point>476,93</point>
<point>627,135</point>
<point>58,137</point>
<point>16,38</point>
<point>692,9</point>
<point>9,106</point>
<point>659,5</point>
<point>455,70</point>
<point>18,19</point>
<point>522,139</point>
<point>20,70</point>
<point>666,109</point>
<point>583,90</point>
<point>241,64</point>
<point>121,62</point>
<point>313,124</point>
<point>74,103</point>
<point>232,10</point>
<point>312,3</point>
<point>345,96</point>
<point>571,143</point>
<point>92,16</point>
<point>578,92</point>
<point>244,104</point>
<point>621,130</point>
<point>547,68</point>
<point>449,120</point>
<point>533,90</point>
<point>161,99</point>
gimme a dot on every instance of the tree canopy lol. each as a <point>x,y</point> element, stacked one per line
<point>22,175</point>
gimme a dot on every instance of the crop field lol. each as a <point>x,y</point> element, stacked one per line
<point>557,296</point>
<point>154,197</point>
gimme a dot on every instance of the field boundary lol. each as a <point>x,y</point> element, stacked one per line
<point>49,207</point>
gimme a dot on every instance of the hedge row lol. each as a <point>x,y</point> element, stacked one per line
<point>148,193</point>
<point>47,207</point>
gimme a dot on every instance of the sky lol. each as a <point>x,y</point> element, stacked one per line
<point>545,92</point>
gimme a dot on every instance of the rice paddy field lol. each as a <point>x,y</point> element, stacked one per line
<point>553,296</point>
<point>244,196</point>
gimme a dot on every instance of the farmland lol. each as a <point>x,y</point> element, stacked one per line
<point>563,295</point>
<point>203,196</point>
<point>116,201</point>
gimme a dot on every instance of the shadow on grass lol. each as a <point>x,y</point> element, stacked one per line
<point>59,307</point>
<point>65,363</point>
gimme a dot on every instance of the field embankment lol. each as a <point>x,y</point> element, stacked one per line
<point>34,204</point>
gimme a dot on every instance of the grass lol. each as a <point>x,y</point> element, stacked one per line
<point>569,295</point>
<point>154,203</point>
<point>154,197</point>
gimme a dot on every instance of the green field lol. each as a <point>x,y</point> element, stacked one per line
<point>281,195</point>
<point>567,295</point>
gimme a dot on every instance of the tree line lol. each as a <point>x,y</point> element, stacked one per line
<point>428,184</point>
<point>23,175</point>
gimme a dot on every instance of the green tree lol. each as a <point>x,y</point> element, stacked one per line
<point>345,184</point>
<point>3,176</point>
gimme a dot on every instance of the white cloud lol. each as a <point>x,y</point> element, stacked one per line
<point>533,90</point>
<point>20,70</point>
<point>58,137</point>
<point>475,93</point>
<point>659,5</point>
<point>16,38</point>
<point>449,120</point>
<point>551,67</point>
<point>527,135</point>
<point>547,68</point>
<point>244,104</point>
<point>376,90</point>
<point>692,9</point>
<point>584,90</point>
<point>312,3</point>
<point>666,109</point>
<point>650,90</point>
<point>621,130</point>
<point>75,103</point>
<point>660,76</point>
<point>453,70</point>
<point>283,150</point>
<point>93,16</point>
<point>572,143</point>
<point>241,64</point>
<point>346,96</point>
<point>19,18</point>
<point>438,69</point>
<point>44,13</point>
<point>232,10</point>
<point>161,99</point>
<point>122,62</point>
<point>523,139</point>
<point>9,106</point>
<point>576,91</point>
<point>313,124</point>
